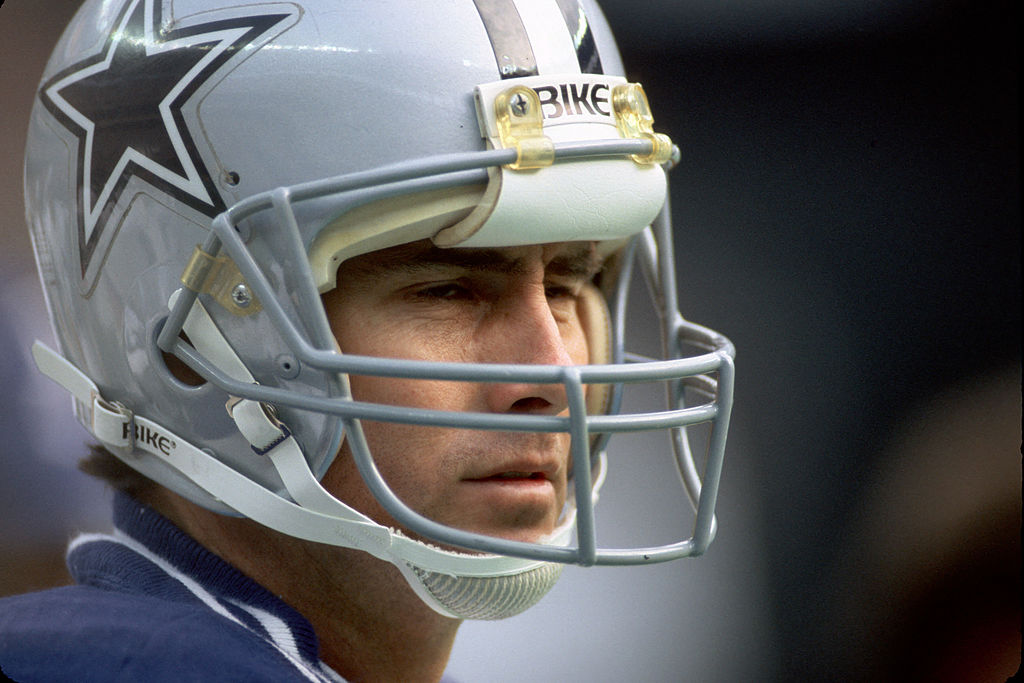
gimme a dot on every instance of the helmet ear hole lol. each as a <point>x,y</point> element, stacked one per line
<point>180,371</point>
<point>177,368</point>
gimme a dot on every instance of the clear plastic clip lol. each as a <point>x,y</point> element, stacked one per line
<point>521,126</point>
<point>634,120</point>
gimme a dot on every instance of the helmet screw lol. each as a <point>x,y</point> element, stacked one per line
<point>241,295</point>
<point>519,104</point>
<point>287,366</point>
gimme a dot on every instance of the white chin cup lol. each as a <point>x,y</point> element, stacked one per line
<point>483,597</point>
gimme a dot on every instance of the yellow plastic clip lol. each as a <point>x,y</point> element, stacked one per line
<point>634,120</point>
<point>521,125</point>
<point>220,278</point>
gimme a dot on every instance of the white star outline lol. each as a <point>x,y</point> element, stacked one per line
<point>191,183</point>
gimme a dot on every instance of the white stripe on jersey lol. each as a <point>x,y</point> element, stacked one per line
<point>196,589</point>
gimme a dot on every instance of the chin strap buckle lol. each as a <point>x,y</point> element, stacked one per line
<point>258,423</point>
<point>112,423</point>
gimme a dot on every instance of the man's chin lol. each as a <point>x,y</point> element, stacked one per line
<point>543,536</point>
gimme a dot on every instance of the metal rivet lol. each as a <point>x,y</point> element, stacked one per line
<point>241,295</point>
<point>519,104</point>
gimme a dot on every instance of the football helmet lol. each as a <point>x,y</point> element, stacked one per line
<point>196,171</point>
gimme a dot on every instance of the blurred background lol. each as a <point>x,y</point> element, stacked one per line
<point>847,210</point>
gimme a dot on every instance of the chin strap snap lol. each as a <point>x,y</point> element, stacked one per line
<point>267,435</point>
<point>257,421</point>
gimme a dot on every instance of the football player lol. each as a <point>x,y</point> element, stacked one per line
<point>339,290</point>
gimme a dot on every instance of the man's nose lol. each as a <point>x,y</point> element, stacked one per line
<point>525,331</point>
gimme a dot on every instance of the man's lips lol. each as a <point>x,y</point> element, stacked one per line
<point>517,497</point>
<point>512,477</point>
<point>520,470</point>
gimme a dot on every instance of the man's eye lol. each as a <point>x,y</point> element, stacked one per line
<point>446,291</point>
<point>559,292</point>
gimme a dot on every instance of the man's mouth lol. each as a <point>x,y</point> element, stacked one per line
<point>516,470</point>
<point>519,500</point>
<point>513,476</point>
<point>516,475</point>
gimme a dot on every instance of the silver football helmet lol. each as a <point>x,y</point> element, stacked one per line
<point>197,170</point>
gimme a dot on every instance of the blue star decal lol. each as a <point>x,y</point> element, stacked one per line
<point>125,107</point>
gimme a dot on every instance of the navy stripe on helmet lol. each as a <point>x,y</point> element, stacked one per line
<point>582,36</point>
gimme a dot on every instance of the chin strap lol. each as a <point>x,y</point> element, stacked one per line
<point>131,436</point>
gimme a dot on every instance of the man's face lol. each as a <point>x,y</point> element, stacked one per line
<point>510,305</point>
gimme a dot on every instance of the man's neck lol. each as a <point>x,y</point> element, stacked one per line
<point>370,624</point>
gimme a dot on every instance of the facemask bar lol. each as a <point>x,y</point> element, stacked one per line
<point>659,275</point>
<point>681,372</point>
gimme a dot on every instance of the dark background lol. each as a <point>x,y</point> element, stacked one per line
<point>848,204</point>
<point>847,210</point>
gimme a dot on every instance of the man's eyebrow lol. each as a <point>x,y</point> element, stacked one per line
<point>583,262</point>
<point>492,260</point>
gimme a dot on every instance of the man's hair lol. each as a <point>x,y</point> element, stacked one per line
<point>104,465</point>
